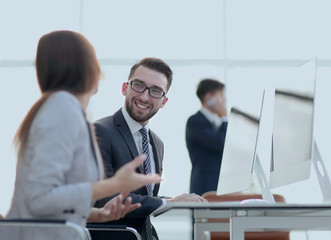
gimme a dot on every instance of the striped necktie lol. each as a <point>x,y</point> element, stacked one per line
<point>147,169</point>
<point>147,163</point>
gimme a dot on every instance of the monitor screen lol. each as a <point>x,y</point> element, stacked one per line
<point>293,121</point>
<point>292,139</point>
<point>239,152</point>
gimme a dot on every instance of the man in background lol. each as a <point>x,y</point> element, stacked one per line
<point>205,136</point>
<point>126,134</point>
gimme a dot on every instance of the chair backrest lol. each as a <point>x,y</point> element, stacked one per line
<point>108,231</point>
<point>213,197</point>
<point>29,229</point>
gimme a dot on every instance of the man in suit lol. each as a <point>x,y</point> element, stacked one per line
<point>205,136</point>
<point>120,139</point>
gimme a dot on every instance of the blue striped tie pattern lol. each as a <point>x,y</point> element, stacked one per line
<point>147,168</point>
<point>147,163</point>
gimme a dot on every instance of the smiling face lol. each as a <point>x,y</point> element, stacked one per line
<point>141,106</point>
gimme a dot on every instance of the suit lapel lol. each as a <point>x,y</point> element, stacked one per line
<point>157,158</point>
<point>156,153</point>
<point>124,130</point>
<point>96,150</point>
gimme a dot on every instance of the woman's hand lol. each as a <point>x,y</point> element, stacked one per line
<point>130,180</point>
<point>126,179</point>
<point>114,209</point>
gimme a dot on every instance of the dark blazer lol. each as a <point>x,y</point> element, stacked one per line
<point>205,145</point>
<point>117,148</point>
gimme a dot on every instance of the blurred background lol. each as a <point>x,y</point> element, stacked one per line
<point>248,45</point>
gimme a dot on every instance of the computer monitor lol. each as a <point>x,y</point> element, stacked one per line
<point>293,121</point>
<point>292,140</point>
<point>294,147</point>
<point>239,151</point>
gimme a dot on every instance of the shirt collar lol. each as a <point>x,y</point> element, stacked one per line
<point>134,126</point>
<point>212,117</point>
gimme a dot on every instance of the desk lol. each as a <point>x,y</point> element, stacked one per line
<point>261,216</point>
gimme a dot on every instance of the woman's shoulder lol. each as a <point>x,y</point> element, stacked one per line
<point>65,98</point>
<point>62,105</point>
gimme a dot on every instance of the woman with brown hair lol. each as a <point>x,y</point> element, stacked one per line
<point>59,172</point>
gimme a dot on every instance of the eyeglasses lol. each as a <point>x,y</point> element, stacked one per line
<point>152,91</point>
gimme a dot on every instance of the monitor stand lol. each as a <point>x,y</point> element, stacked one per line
<point>263,182</point>
<point>322,174</point>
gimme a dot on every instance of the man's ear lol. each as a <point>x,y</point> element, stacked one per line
<point>164,101</point>
<point>124,88</point>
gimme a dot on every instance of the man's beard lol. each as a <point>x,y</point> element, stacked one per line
<point>144,117</point>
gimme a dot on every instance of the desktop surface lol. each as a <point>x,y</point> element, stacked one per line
<point>237,205</point>
<point>245,217</point>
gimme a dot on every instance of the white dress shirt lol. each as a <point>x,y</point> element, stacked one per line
<point>134,127</point>
<point>213,117</point>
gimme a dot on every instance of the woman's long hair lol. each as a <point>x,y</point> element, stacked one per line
<point>67,61</point>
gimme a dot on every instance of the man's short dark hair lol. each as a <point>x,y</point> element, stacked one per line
<point>155,64</point>
<point>208,85</point>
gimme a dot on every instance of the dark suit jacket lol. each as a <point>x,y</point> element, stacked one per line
<point>117,147</point>
<point>205,146</point>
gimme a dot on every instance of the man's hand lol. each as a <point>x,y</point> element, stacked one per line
<point>219,107</point>
<point>187,198</point>
<point>221,111</point>
<point>216,104</point>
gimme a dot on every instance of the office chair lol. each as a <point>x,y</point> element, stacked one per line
<point>100,231</point>
<point>268,235</point>
<point>8,226</point>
